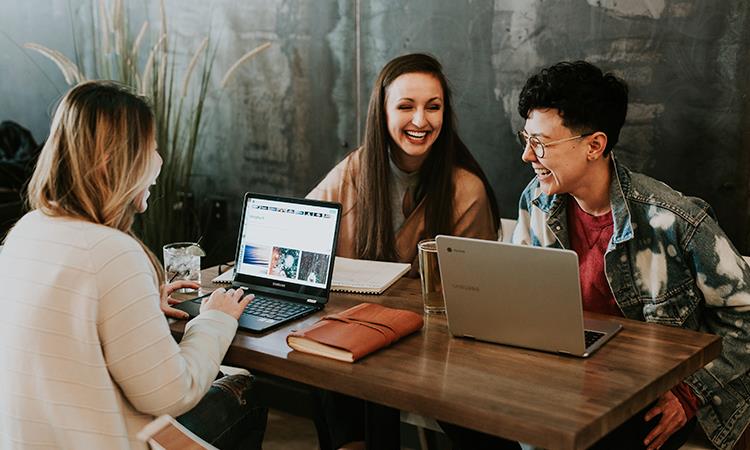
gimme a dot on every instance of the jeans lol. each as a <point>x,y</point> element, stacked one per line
<point>228,416</point>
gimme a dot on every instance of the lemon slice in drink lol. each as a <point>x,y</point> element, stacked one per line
<point>195,250</point>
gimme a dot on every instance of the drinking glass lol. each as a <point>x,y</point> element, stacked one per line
<point>182,261</point>
<point>429,273</point>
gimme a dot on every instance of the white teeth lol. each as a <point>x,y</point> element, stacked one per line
<point>416,134</point>
<point>542,172</point>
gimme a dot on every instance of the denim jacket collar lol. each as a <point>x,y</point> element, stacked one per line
<point>619,188</point>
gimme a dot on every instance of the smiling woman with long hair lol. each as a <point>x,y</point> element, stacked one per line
<point>413,177</point>
<point>86,355</point>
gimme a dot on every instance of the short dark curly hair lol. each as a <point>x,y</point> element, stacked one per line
<point>587,99</point>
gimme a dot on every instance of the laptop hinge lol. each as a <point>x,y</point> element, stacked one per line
<point>282,294</point>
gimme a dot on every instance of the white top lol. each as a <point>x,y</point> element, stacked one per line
<point>86,355</point>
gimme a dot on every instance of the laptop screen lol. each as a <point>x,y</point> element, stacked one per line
<point>287,244</point>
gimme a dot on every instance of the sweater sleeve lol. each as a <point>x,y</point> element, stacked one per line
<point>473,215</point>
<point>155,374</point>
<point>326,190</point>
<point>333,187</point>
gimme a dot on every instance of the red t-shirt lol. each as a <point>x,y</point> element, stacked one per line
<point>589,238</point>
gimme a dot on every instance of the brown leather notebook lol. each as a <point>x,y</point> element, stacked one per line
<point>356,332</point>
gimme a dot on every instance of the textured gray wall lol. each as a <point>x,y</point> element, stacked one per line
<point>29,85</point>
<point>291,114</point>
<point>685,62</point>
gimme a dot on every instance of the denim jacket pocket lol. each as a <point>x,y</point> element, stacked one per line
<point>725,414</point>
<point>674,307</point>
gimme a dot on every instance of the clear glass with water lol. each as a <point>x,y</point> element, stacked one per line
<point>182,261</point>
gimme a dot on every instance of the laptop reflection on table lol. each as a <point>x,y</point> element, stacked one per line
<point>517,295</point>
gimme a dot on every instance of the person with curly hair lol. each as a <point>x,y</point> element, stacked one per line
<point>646,252</point>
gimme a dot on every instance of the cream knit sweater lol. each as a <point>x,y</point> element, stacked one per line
<point>86,356</point>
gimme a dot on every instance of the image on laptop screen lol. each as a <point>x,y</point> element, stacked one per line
<point>287,245</point>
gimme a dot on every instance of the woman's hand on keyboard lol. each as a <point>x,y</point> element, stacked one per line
<point>230,302</point>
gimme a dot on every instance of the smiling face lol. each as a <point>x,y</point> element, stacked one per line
<point>414,109</point>
<point>564,168</point>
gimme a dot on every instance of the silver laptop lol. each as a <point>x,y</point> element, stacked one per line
<point>517,295</point>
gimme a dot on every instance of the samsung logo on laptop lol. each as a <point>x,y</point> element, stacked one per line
<point>466,287</point>
<point>281,285</point>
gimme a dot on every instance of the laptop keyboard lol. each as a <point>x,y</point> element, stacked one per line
<point>273,309</point>
<point>591,337</point>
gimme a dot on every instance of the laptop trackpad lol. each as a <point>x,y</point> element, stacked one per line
<point>192,306</point>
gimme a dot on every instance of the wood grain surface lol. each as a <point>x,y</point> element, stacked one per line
<point>552,401</point>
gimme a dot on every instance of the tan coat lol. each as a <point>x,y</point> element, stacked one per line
<point>472,211</point>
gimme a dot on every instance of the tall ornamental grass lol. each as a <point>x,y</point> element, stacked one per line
<point>178,98</point>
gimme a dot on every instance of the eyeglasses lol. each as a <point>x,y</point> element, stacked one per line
<point>538,146</point>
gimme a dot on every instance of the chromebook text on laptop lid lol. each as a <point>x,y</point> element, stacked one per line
<point>517,295</point>
<point>285,257</point>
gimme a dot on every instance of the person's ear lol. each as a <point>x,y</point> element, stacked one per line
<point>597,143</point>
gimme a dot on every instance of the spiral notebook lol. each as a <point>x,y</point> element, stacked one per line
<point>359,276</point>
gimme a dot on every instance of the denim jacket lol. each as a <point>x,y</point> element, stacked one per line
<point>668,262</point>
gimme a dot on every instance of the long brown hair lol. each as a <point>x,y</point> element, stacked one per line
<point>96,161</point>
<point>375,235</point>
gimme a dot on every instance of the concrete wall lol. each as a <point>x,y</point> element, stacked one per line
<point>292,113</point>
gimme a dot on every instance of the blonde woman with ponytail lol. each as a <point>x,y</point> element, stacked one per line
<point>86,355</point>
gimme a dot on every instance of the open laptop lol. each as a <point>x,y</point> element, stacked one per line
<point>285,255</point>
<point>517,295</point>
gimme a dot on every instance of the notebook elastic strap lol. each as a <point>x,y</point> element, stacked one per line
<point>385,330</point>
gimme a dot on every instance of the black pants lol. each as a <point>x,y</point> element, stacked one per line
<point>466,439</point>
<point>630,435</point>
<point>346,423</point>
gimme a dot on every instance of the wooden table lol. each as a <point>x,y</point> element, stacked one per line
<point>548,400</point>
